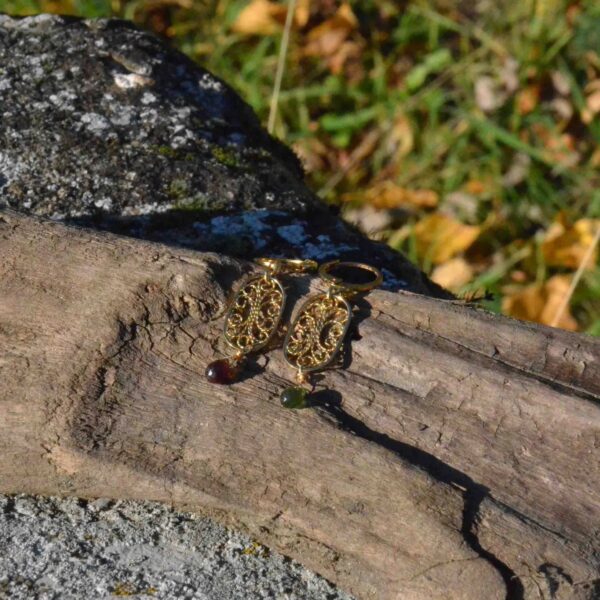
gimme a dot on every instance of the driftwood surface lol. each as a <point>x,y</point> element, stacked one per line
<point>455,456</point>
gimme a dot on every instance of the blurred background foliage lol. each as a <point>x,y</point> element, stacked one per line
<point>464,134</point>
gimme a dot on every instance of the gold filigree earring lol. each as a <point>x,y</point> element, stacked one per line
<point>254,315</point>
<point>318,331</point>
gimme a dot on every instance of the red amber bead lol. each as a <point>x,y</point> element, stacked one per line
<point>222,372</point>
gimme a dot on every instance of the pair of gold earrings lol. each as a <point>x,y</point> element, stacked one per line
<point>315,335</point>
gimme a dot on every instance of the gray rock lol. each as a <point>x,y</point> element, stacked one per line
<point>72,549</point>
<point>104,125</point>
<point>98,116</point>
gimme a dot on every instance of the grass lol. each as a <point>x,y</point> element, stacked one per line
<point>491,107</point>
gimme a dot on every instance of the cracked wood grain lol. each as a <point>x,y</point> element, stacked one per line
<point>455,455</point>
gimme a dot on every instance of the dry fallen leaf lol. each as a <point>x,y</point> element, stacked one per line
<point>563,108</point>
<point>400,138</point>
<point>509,75</point>
<point>338,60</point>
<point>329,40</point>
<point>565,245</point>
<point>488,95</point>
<point>389,195</point>
<point>518,170</point>
<point>302,12</point>
<point>460,205</point>
<point>561,83</point>
<point>260,17</point>
<point>453,274</point>
<point>440,237</point>
<point>559,147</point>
<point>518,276</point>
<point>475,187</point>
<point>528,98</point>
<point>313,154</point>
<point>369,220</point>
<point>540,302</point>
<point>593,102</point>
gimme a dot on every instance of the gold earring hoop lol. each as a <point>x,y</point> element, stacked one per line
<point>318,331</point>
<point>254,315</point>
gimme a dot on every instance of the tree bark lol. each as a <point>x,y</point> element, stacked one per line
<point>454,456</point>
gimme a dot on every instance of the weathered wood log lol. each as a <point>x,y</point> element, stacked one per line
<point>456,455</point>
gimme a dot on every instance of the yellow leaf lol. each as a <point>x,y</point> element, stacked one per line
<point>453,274</point>
<point>565,245</point>
<point>389,195</point>
<point>440,237</point>
<point>593,102</point>
<point>401,137</point>
<point>260,17</point>
<point>541,302</point>
<point>302,12</point>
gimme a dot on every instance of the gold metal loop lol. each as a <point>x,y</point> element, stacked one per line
<point>287,265</point>
<point>338,285</point>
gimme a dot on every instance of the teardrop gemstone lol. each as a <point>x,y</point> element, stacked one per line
<point>222,372</point>
<point>294,397</point>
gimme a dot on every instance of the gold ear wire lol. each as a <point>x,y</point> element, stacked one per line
<point>287,265</point>
<point>345,287</point>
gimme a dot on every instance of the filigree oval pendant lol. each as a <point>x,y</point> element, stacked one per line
<point>255,313</point>
<point>317,332</point>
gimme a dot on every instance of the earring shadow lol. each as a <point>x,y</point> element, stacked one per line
<point>251,367</point>
<point>362,311</point>
<point>326,398</point>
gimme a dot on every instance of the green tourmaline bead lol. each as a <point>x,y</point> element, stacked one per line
<point>294,397</point>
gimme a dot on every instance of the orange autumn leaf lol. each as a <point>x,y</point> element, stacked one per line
<point>528,98</point>
<point>260,17</point>
<point>541,302</point>
<point>475,187</point>
<point>566,245</point>
<point>389,195</point>
<point>329,39</point>
<point>440,237</point>
<point>453,274</point>
<point>559,147</point>
<point>562,149</point>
